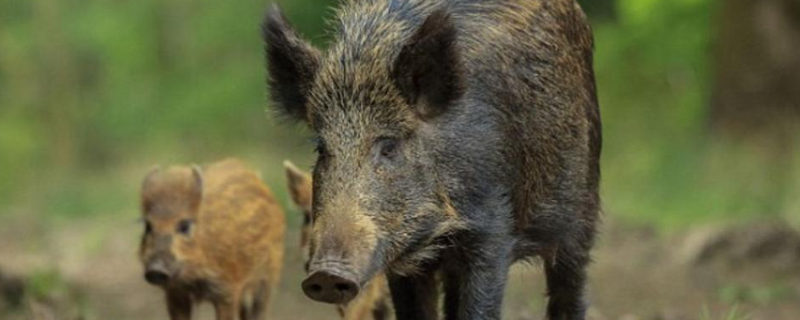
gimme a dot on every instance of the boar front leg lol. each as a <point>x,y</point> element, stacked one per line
<point>415,297</point>
<point>566,277</point>
<point>475,279</point>
<point>179,305</point>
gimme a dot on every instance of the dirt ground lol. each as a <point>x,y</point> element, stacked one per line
<point>636,275</point>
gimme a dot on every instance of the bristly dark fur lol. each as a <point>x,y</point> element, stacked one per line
<point>456,137</point>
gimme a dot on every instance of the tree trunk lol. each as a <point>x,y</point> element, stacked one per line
<point>756,90</point>
<point>755,107</point>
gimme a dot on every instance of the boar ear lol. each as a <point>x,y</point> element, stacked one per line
<point>292,64</point>
<point>300,186</point>
<point>196,188</point>
<point>427,69</point>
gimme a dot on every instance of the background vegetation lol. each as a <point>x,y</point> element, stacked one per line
<point>92,89</point>
<point>95,92</point>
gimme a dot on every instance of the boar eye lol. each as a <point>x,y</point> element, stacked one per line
<point>185,226</point>
<point>148,228</point>
<point>387,147</point>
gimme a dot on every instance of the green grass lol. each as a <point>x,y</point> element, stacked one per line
<point>762,295</point>
<point>45,283</point>
<point>732,314</point>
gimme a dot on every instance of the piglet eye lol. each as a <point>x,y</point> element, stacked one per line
<point>184,227</point>
<point>387,147</point>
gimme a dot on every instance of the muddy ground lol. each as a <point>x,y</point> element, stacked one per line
<point>706,273</point>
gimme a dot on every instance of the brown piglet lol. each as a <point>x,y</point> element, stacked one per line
<point>373,302</point>
<point>213,234</point>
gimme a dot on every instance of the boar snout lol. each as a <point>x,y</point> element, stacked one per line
<point>157,272</point>
<point>331,284</point>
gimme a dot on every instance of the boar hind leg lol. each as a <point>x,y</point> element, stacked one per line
<point>179,305</point>
<point>566,277</point>
<point>415,297</point>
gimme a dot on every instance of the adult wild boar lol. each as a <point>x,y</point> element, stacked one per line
<point>454,137</point>
<point>214,234</point>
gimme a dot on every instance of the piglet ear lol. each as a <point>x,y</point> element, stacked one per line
<point>300,186</point>
<point>292,65</point>
<point>196,190</point>
<point>149,177</point>
<point>148,187</point>
<point>427,69</point>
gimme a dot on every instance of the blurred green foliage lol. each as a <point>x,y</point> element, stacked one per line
<point>43,283</point>
<point>732,314</point>
<point>660,164</point>
<point>89,85</point>
<point>763,295</point>
<point>94,92</point>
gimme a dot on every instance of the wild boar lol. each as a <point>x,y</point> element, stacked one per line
<point>213,234</point>
<point>454,138</point>
<point>373,302</point>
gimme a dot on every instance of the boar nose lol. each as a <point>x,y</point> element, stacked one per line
<point>157,273</point>
<point>330,287</point>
